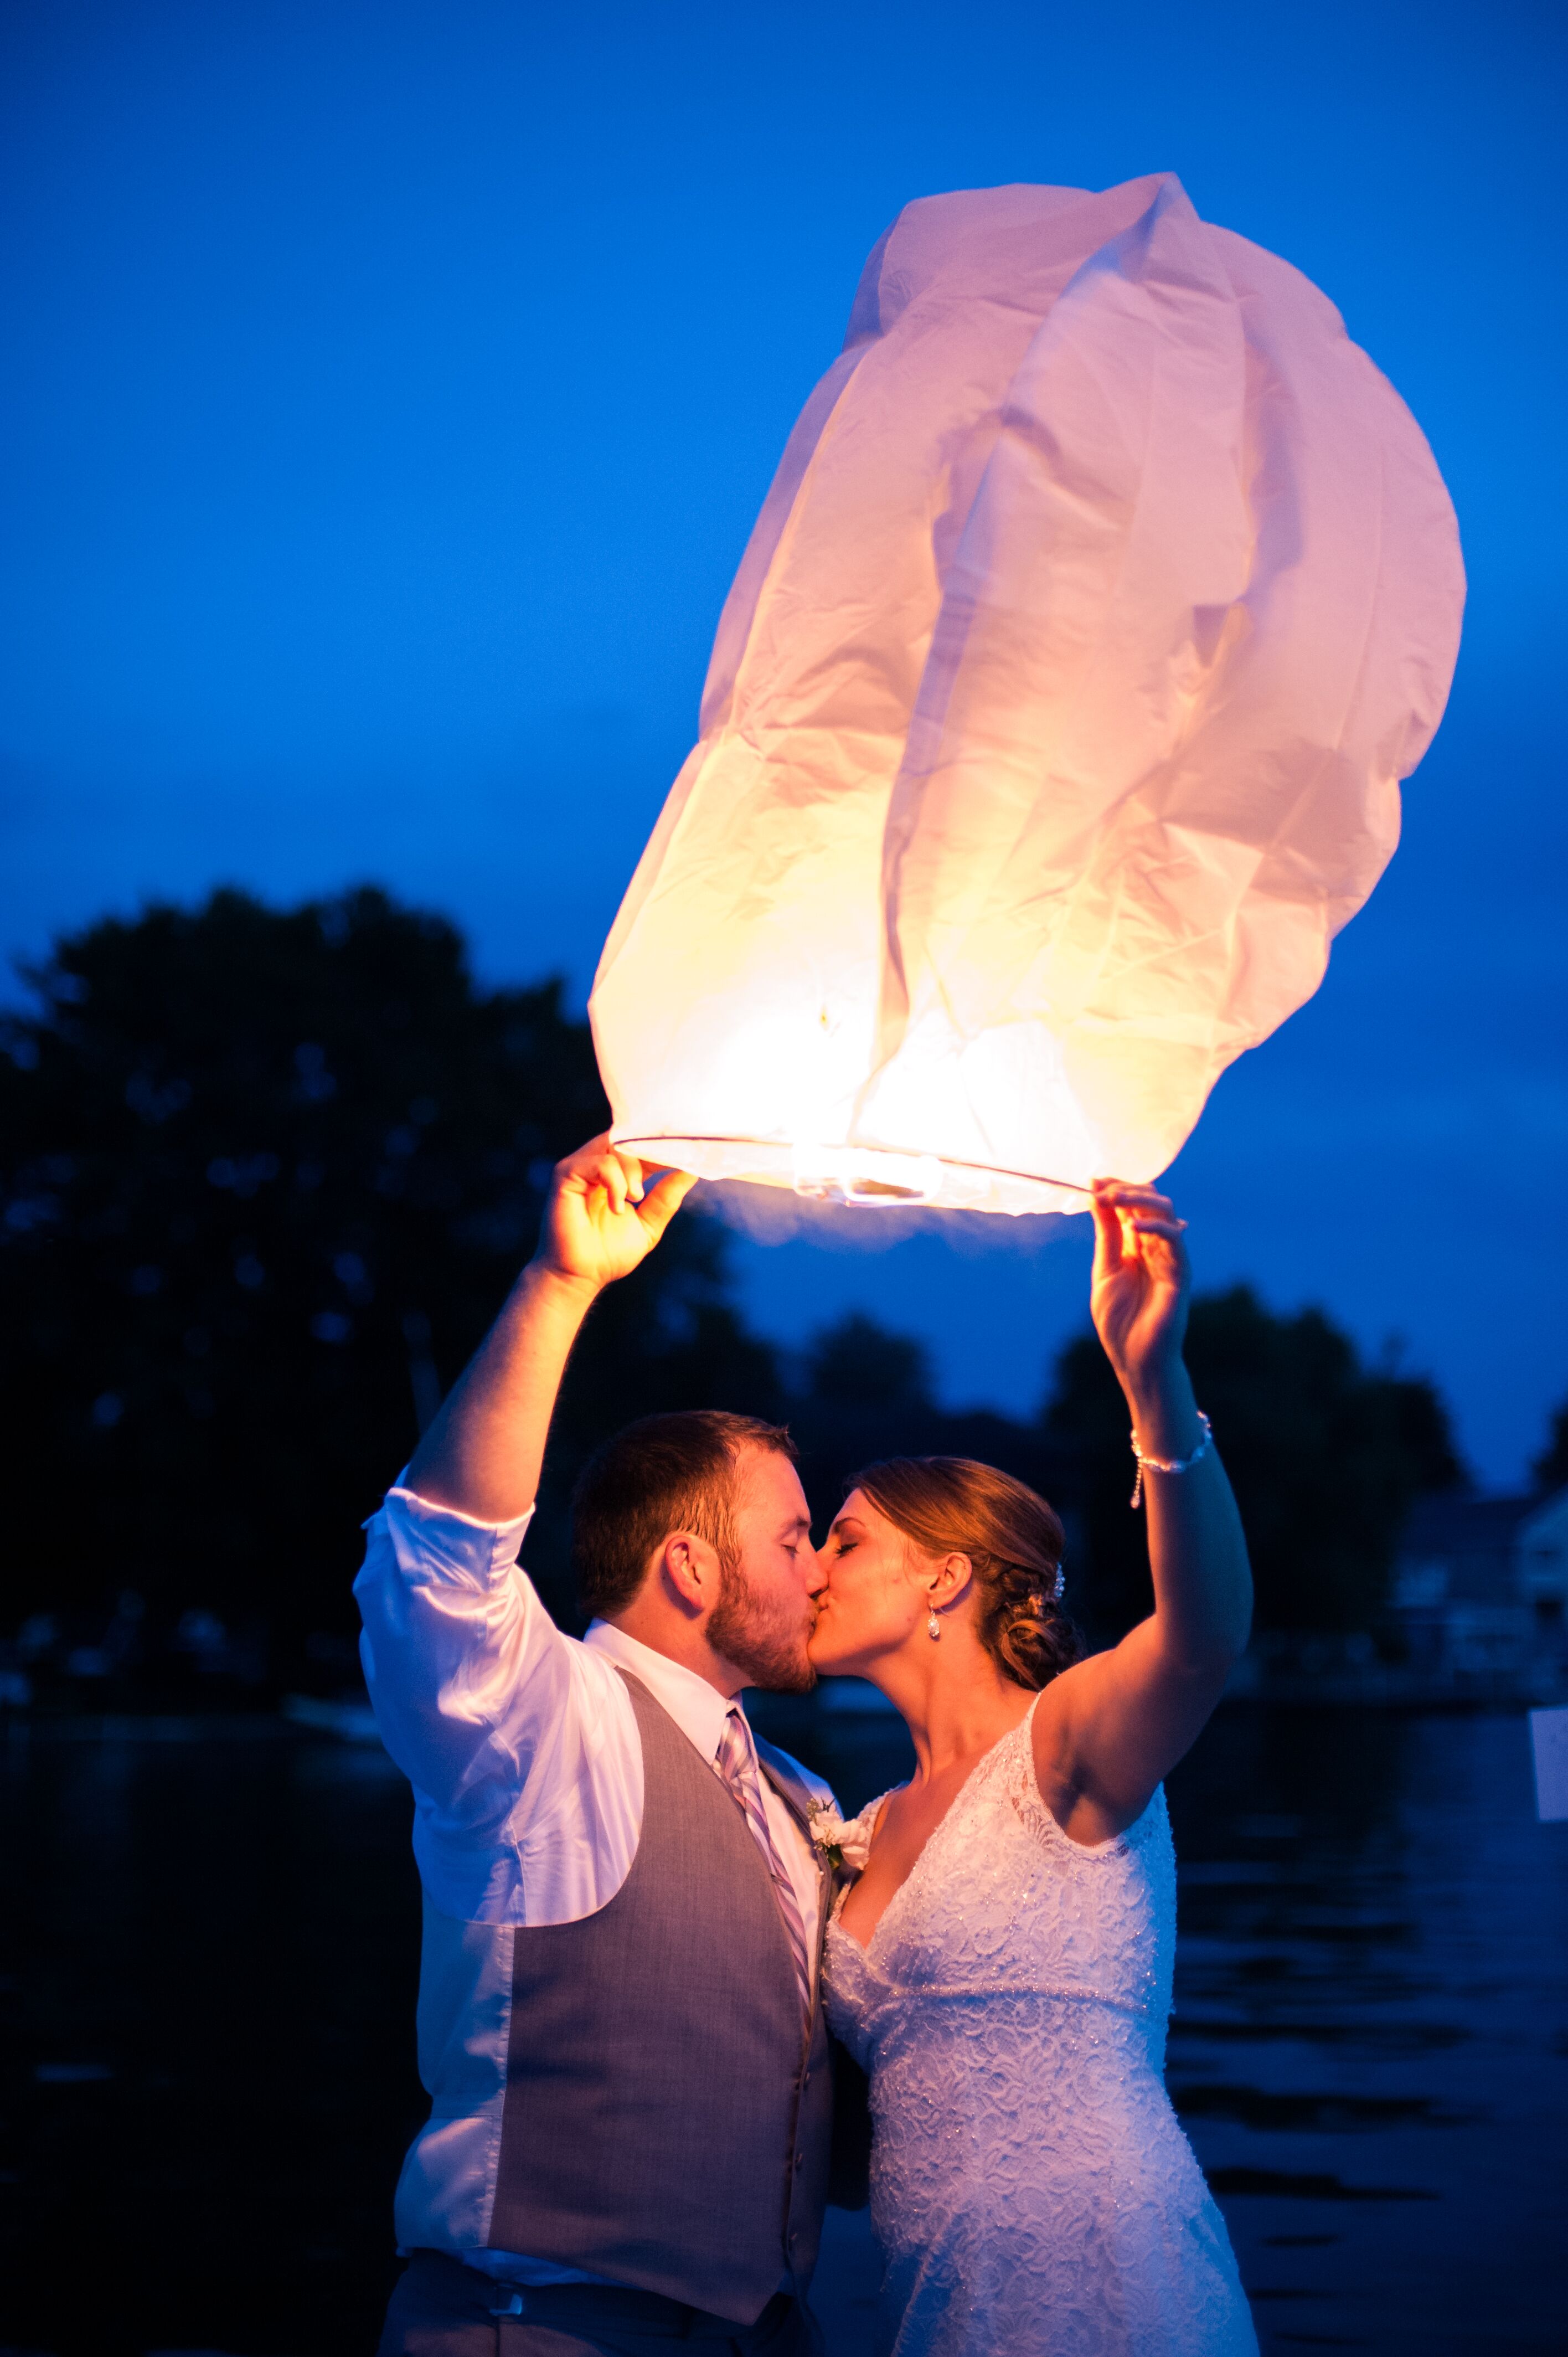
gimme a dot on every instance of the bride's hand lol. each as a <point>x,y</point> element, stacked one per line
<point>1139,1291</point>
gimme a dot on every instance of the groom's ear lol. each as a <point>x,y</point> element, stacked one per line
<point>690,1570</point>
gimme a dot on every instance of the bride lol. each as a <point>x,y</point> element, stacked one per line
<point>1001,1965</point>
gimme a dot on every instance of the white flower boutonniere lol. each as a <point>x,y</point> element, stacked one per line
<point>845,1844</point>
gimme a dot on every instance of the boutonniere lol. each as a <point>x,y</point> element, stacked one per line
<point>845,1844</point>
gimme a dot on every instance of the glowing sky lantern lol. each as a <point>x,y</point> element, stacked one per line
<point>1054,723</point>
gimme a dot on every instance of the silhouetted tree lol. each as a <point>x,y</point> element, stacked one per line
<point>869,1393</point>
<point>858,1364</point>
<point>1550,1468</point>
<point>266,1177</point>
<point>1326,1456</point>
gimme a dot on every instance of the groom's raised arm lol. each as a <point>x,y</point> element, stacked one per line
<point>471,1680</point>
<point>483,1452</point>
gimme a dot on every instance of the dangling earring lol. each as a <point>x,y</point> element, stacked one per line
<point>933,1626</point>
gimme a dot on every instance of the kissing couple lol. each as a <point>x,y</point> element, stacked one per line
<point>642,1921</point>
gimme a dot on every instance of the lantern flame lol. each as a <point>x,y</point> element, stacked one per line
<point>854,1174</point>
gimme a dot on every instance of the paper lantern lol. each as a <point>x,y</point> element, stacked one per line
<point>1055,721</point>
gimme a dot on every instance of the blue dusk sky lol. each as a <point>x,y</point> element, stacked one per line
<point>390,391</point>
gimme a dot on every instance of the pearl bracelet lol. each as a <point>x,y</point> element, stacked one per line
<point>1169,1464</point>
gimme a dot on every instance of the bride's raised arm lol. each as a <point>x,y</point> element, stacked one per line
<point>1107,1730</point>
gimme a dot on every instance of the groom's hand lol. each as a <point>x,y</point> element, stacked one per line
<point>483,1452</point>
<point>605,1214</point>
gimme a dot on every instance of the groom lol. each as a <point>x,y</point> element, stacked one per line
<point>620,2017</point>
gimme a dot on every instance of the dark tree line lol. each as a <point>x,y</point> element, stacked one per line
<point>1326,1456</point>
<point>1550,1468</point>
<point>266,1176</point>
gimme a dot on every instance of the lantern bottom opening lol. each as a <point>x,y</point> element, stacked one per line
<point>867,1178</point>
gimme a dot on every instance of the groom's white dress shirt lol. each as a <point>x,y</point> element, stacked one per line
<point>520,1743</point>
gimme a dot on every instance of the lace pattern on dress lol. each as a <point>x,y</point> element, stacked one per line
<point>1031,2192</point>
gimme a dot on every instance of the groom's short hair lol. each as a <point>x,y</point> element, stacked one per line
<point>663,1473</point>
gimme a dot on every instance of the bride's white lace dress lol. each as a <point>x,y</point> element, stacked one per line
<point>1031,2190</point>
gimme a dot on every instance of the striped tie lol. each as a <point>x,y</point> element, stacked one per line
<point>736,1766</point>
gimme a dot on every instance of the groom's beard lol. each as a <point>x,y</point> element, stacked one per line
<point>764,1637</point>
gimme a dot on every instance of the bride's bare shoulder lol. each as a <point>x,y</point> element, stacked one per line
<point>1056,1731</point>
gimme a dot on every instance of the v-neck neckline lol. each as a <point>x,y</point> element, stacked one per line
<point>867,1946</point>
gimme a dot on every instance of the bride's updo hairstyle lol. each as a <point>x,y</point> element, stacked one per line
<point>952,1505</point>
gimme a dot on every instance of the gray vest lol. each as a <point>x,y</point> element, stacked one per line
<point>668,2108</point>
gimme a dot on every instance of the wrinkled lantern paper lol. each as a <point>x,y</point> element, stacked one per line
<point>1054,723</point>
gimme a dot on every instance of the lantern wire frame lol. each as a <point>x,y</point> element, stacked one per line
<point>864,1177</point>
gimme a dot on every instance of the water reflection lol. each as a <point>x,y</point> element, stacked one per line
<point>213,1948</point>
<point>1370,1972</point>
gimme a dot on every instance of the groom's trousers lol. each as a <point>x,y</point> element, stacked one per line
<point>442,2308</point>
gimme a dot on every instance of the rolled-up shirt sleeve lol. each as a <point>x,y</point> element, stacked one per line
<point>528,1792</point>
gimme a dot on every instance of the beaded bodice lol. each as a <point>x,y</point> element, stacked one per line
<point>1000,1901</point>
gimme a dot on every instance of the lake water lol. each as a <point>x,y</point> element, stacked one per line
<point>211,1945</point>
